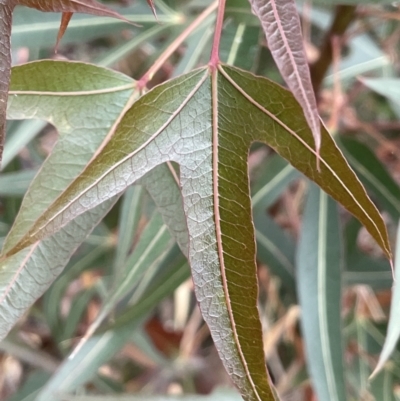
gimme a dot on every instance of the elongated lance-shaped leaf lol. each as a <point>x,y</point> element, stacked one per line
<point>281,23</point>
<point>319,266</point>
<point>6,8</point>
<point>206,121</point>
<point>393,332</point>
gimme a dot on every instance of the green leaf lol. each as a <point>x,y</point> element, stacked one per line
<point>35,30</point>
<point>99,349</point>
<point>393,332</point>
<point>82,129</point>
<point>16,184</point>
<point>388,87</point>
<point>18,137</point>
<point>373,174</point>
<point>319,264</point>
<point>275,249</point>
<point>201,121</point>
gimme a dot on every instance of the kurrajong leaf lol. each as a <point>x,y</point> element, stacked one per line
<point>206,121</point>
<point>66,7</point>
<point>281,23</point>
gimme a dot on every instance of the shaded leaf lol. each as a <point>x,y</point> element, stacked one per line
<point>393,331</point>
<point>388,87</point>
<point>373,174</point>
<point>319,264</point>
<point>281,24</point>
<point>34,29</point>
<point>16,183</point>
<point>102,347</point>
<point>202,122</point>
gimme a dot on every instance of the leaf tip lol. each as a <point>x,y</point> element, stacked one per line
<point>153,8</point>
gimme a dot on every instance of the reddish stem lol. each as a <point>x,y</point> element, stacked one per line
<point>214,59</point>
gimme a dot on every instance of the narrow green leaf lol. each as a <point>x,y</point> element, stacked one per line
<point>74,372</point>
<point>382,387</point>
<point>373,174</point>
<point>16,183</point>
<point>276,177</point>
<point>393,332</point>
<point>388,87</point>
<point>275,249</point>
<point>361,268</point>
<point>19,137</point>
<point>319,263</point>
<point>36,30</point>
<point>127,226</point>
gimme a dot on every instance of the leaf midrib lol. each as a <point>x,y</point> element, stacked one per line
<point>218,230</point>
<point>47,221</point>
<point>308,147</point>
<point>93,92</point>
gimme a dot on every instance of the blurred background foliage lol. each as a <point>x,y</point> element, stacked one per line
<point>153,340</point>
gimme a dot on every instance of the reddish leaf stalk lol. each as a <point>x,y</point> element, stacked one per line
<point>6,8</point>
<point>214,60</point>
<point>148,76</point>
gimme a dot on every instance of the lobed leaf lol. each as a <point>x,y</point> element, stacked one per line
<point>281,24</point>
<point>205,121</point>
<point>68,95</point>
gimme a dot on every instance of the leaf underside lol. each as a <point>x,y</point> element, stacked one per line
<point>206,121</point>
<point>281,24</point>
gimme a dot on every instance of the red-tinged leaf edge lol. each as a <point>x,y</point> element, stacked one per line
<point>6,9</point>
<point>65,18</point>
<point>281,24</point>
<point>92,7</point>
<point>153,8</point>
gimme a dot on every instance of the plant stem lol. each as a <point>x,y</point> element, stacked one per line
<point>148,76</point>
<point>344,15</point>
<point>214,59</point>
